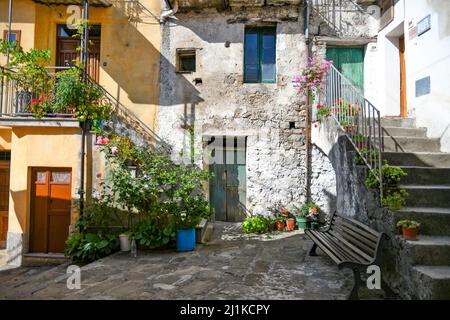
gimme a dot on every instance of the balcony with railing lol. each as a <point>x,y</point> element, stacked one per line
<point>30,100</point>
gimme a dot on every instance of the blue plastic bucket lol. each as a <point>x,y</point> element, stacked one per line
<point>186,239</point>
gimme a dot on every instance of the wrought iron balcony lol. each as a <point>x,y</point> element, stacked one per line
<point>30,96</point>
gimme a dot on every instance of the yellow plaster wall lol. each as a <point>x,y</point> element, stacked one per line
<point>23,19</point>
<point>5,139</point>
<point>130,50</point>
<point>39,147</point>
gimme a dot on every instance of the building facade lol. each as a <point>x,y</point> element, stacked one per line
<point>41,159</point>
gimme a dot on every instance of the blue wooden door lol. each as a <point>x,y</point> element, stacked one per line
<point>227,187</point>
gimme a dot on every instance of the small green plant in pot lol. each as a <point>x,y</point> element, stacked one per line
<point>410,229</point>
<point>301,218</point>
<point>311,212</point>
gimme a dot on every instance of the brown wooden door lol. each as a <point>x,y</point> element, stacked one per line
<point>50,209</point>
<point>403,99</point>
<point>4,201</point>
<point>67,52</point>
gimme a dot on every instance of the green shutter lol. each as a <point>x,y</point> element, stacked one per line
<point>350,62</point>
<point>260,55</point>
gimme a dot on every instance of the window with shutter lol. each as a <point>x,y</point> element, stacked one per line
<point>260,55</point>
<point>387,13</point>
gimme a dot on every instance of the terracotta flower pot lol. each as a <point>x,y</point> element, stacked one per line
<point>290,224</point>
<point>410,234</point>
<point>280,225</point>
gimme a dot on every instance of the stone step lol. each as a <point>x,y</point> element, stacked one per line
<point>411,144</point>
<point>427,196</point>
<point>42,259</point>
<point>405,132</point>
<point>426,176</point>
<point>428,250</point>
<point>421,159</point>
<point>433,221</point>
<point>434,282</point>
<point>398,122</point>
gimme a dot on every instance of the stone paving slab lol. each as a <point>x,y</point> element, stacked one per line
<point>231,266</point>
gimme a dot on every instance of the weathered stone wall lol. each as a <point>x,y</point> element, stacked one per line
<point>223,105</point>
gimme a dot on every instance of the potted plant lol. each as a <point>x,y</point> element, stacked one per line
<point>410,229</point>
<point>290,224</point>
<point>300,218</point>
<point>281,223</point>
<point>311,212</point>
<point>193,208</point>
<point>272,225</point>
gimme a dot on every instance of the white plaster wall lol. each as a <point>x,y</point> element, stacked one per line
<point>385,93</point>
<point>429,55</point>
<point>425,55</point>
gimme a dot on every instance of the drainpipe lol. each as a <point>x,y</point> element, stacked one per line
<point>9,28</point>
<point>84,125</point>
<point>307,12</point>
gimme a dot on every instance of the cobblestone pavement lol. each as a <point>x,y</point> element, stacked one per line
<point>2,257</point>
<point>231,266</point>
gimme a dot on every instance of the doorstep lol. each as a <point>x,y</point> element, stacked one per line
<point>39,259</point>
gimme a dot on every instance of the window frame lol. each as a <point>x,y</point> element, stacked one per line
<point>18,34</point>
<point>185,52</point>
<point>260,31</point>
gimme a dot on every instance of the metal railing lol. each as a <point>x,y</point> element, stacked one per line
<point>127,116</point>
<point>335,13</point>
<point>20,94</point>
<point>356,116</point>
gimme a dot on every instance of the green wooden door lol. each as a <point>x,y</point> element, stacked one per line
<point>350,62</point>
<point>227,188</point>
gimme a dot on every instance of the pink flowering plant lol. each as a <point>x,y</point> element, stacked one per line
<point>312,77</point>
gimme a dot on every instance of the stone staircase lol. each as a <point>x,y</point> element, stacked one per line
<point>428,185</point>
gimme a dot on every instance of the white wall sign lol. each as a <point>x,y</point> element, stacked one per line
<point>424,25</point>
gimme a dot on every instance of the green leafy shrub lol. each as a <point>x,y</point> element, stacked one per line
<point>83,98</point>
<point>395,199</point>
<point>256,224</point>
<point>393,196</point>
<point>154,234</point>
<point>91,246</point>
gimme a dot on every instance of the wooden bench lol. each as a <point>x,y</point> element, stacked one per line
<point>350,244</point>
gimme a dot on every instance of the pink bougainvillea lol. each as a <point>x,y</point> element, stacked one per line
<point>312,77</point>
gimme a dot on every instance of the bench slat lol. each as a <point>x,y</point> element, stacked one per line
<point>360,224</point>
<point>355,239</point>
<point>363,233</point>
<point>346,229</point>
<point>345,250</point>
<point>323,246</point>
<point>358,251</point>
<point>332,245</point>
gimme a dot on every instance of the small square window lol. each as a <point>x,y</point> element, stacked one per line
<point>186,61</point>
<point>14,36</point>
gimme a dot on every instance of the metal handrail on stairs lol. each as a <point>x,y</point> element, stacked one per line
<point>357,117</point>
<point>126,114</point>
